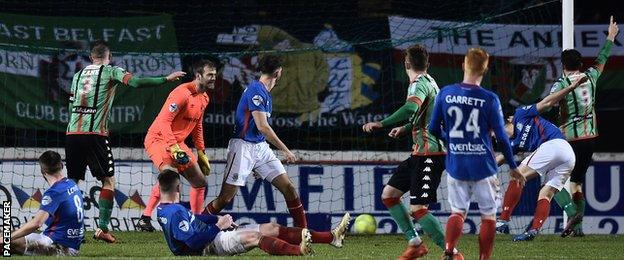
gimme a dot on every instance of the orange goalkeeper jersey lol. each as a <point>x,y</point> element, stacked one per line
<point>180,116</point>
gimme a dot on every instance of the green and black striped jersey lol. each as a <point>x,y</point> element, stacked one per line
<point>423,92</point>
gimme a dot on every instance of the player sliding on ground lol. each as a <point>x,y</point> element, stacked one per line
<point>181,116</point>
<point>420,173</point>
<point>464,115</point>
<point>93,90</point>
<point>578,120</point>
<point>61,210</point>
<point>191,234</point>
<point>552,158</point>
<point>248,151</point>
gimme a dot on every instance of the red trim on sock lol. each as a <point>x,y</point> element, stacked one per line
<point>541,214</point>
<point>419,213</point>
<point>486,238</point>
<point>153,200</point>
<point>577,196</point>
<point>511,199</point>
<point>390,202</point>
<point>297,212</point>
<point>454,229</point>
<point>107,194</point>
<point>276,246</point>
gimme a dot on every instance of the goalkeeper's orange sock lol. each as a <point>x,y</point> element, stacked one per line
<point>276,246</point>
<point>297,212</point>
<point>197,199</point>
<point>293,235</point>
<point>153,201</point>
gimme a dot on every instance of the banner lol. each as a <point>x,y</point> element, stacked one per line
<point>326,191</point>
<point>39,56</point>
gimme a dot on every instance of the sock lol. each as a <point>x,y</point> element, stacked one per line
<point>564,201</point>
<point>211,210</point>
<point>541,213</point>
<point>399,213</point>
<point>197,199</point>
<point>486,238</point>
<point>512,196</point>
<point>454,229</point>
<point>579,201</point>
<point>153,201</point>
<point>431,225</point>
<point>293,235</point>
<point>276,246</point>
<point>106,207</point>
<point>297,212</point>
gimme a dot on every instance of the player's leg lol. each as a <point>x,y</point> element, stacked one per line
<point>237,168</point>
<point>583,150</point>
<point>512,196</point>
<point>275,246</point>
<point>486,191</point>
<point>75,157</point>
<point>18,246</point>
<point>101,163</point>
<point>423,190</point>
<point>398,185</point>
<point>293,234</point>
<point>33,244</point>
<point>459,200</point>
<point>271,169</point>
<point>193,174</point>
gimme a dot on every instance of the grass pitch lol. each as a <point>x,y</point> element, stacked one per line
<point>153,245</point>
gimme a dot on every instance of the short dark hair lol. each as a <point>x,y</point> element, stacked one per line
<point>418,57</point>
<point>571,59</point>
<point>168,180</point>
<point>50,162</point>
<point>269,63</point>
<point>99,49</point>
<point>199,65</point>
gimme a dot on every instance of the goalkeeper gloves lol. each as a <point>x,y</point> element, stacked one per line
<point>178,154</point>
<point>204,164</point>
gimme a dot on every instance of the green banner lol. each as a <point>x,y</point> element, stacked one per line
<point>39,56</point>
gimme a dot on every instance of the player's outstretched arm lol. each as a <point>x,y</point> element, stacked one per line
<point>402,114</point>
<point>32,225</point>
<point>263,126</point>
<point>604,53</point>
<point>554,98</point>
<point>137,82</point>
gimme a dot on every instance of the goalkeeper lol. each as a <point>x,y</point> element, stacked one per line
<point>180,116</point>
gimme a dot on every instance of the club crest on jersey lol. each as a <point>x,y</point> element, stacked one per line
<point>173,107</point>
<point>46,200</point>
<point>519,126</point>
<point>163,220</point>
<point>257,100</point>
<point>184,225</point>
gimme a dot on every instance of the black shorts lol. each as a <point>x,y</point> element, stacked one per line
<point>420,175</point>
<point>583,150</point>
<point>91,150</point>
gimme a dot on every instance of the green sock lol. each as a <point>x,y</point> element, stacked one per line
<point>431,225</point>
<point>401,216</point>
<point>106,207</point>
<point>564,200</point>
<point>580,206</point>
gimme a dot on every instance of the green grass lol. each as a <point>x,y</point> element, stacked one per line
<point>152,245</point>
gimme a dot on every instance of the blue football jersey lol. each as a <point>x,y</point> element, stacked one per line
<point>185,233</point>
<point>531,130</point>
<point>255,98</point>
<point>63,201</point>
<point>464,116</point>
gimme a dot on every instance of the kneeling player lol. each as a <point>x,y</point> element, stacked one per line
<point>552,157</point>
<point>61,210</point>
<point>189,234</point>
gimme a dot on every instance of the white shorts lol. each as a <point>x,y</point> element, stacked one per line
<point>485,192</point>
<point>228,242</point>
<point>246,157</point>
<point>40,244</point>
<point>553,161</point>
